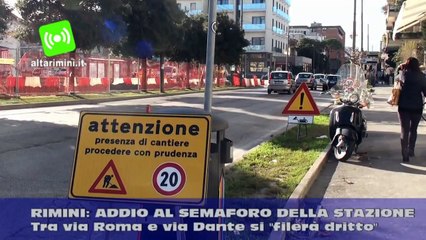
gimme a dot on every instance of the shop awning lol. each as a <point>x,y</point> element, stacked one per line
<point>412,13</point>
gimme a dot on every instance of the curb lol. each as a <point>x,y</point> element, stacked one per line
<point>103,100</point>
<point>308,180</point>
<point>304,186</point>
<point>302,189</point>
<point>271,136</point>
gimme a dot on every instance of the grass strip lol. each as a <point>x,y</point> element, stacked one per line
<point>275,168</point>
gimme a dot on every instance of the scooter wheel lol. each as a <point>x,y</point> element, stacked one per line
<point>344,152</point>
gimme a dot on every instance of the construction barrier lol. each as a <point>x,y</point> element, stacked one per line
<point>54,85</point>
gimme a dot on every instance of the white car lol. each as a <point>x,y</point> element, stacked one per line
<point>281,81</point>
<point>320,79</point>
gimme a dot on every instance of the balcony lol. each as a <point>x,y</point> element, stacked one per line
<point>281,14</point>
<point>225,7</point>
<point>255,48</point>
<point>278,50</point>
<point>278,31</point>
<point>194,12</point>
<point>254,27</point>
<point>253,7</point>
<point>409,35</point>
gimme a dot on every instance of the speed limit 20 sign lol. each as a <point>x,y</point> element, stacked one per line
<point>169,179</point>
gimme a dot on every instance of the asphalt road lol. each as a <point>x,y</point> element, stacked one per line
<point>37,145</point>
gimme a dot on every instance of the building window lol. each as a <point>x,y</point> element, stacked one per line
<point>193,6</point>
<point>258,1</point>
<point>273,23</point>
<point>257,41</point>
<point>258,20</point>
<point>222,2</point>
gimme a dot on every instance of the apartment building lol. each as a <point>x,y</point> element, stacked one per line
<point>404,21</point>
<point>266,26</point>
<point>300,32</point>
<point>193,7</point>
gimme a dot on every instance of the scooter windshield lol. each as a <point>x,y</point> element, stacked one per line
<point>351,81</point>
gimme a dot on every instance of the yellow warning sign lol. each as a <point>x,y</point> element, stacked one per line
<point>302,103</point>
<point>141,157</point>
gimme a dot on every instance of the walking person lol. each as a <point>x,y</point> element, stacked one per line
<point>410,107</point>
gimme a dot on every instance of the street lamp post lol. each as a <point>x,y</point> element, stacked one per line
<point>287,50</point>
<point>313,59</point>
<point>108,69</point>
<point>286,59</point>
<point>354,31</point>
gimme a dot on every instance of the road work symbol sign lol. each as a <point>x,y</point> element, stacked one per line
<point>142,157</point>
<point>302,103</point>
<point>109,181</point>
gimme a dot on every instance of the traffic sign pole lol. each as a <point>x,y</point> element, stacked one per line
<point>211,39</point>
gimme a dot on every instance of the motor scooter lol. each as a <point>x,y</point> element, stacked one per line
<point>347,124</point>
<point>347,127</point>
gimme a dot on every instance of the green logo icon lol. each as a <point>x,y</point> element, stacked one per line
<point>57,38</point>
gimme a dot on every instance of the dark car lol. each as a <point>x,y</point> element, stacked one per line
<point>332,80</point>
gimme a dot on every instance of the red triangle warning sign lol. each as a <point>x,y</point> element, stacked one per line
<point>108,181</point>
<point>302,103</point>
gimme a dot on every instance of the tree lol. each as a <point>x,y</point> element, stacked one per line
<point>230,41</point>
<point>331,45</point>
<point>408,49</point>
<point>151,29</point>
<point>5,13</point>
<point>312,49</point>
<point>91,21</point>
<point>191,44</point>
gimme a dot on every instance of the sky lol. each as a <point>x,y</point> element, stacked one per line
<point>340,12</point>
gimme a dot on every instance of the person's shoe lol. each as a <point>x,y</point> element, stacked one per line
<point>405,159</point>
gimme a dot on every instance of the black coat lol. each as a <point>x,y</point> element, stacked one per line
<point>413,86</point>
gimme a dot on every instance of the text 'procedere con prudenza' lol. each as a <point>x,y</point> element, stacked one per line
<point>146,131</point>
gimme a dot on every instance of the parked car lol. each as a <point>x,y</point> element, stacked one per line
<point>281,81</point>
<point>306,77</point>
<point>320,80</point>
<point>332,80</point>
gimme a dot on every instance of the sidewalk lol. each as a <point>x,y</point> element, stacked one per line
<point>377,171</point>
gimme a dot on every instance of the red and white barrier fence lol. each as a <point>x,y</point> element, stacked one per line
<point>35,85</point>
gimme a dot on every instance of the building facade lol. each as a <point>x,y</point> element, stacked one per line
<point>300,32</point>
<point>266,27</point>
<point>404,20</point>
<point>336,57</point>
